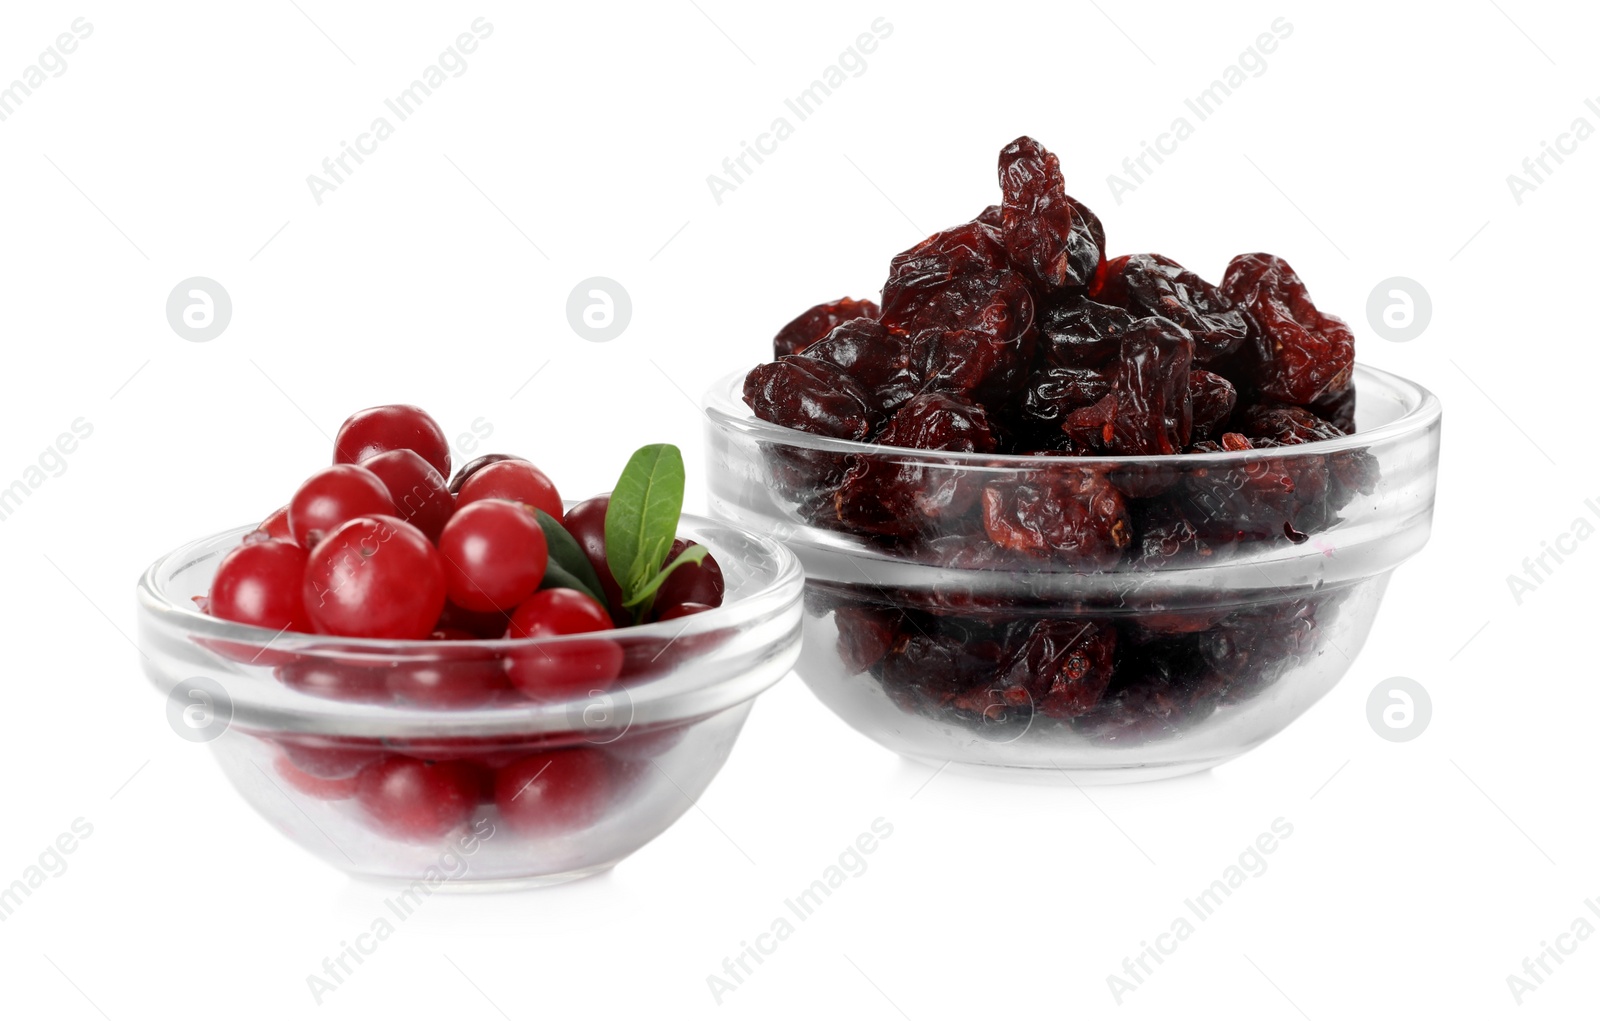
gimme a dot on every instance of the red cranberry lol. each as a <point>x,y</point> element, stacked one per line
<point>472,624</point>
<point>259,583</point>
<point>448,681</point>
<point>691,583</point>
<point>333,496</point>
<point>418,801</point>
<point>392,427</point>
<point>495,555</point>
<point>553,792</point>
<point>473,466</point>
<point>375,577</point>
<point>321,677</point>
<point>277,525</point>
<point>513,480</point>
<point>328,758</point>
<point>563,669</point>
<point>317,787</point>
<point>683,610</point>
<point>418,491</point>
<point>587,523</point>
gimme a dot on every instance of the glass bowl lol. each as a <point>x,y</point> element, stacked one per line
<point>417,760</point>
<point>1106,618</point>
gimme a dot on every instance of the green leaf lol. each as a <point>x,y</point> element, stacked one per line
<point>556,576</point>
<point>569,556</point>
<point>642,519</point>
<point>691,555</point>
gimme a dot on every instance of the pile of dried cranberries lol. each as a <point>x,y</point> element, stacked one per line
<point>1014,334</point>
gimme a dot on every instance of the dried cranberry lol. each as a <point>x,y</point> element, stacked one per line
<point>1061,668</point>
<point>1287,425</point>
<point>974,335</point>
<point>1148,409</point>
<point>815,323</point>
<point>1155,285</point>
<point>1166,536</point>
<point>1051,394</point>
<point>1212,397</point>
<point>890,495</point>
<point>1054,240</point>
<point>876,359</point>
<point>810,395</point>
<point>865,635</point>
<point>1300,354</point>
<point>970,249</point>
<point>1080,332</point>
<point>1067,513</point>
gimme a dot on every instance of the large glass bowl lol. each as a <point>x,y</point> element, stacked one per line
<point>417,760</point>
<point>1143,617</point>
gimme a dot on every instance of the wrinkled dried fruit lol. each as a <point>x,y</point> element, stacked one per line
<point>815,322</point>
<point>876,359</point>
<point>1061,668</point>
<point>1061,513</point>
<point>1300,354</point>
<point>1049,237</point>
<point>1081,333</point>
<point>974,335</point>
<point>1154,285</point>
<point>810,395</point>
<point>1148,409</point>
<point>1212,397</point>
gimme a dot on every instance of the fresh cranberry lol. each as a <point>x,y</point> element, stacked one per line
<point>409,799</point>
<point>418,491</point>
<point>692,583</point>
<point>333,496</point>
<point>375,577</point>
<point>518,481</point>
<point>317,787</point>
<point>321,677</point>
<point>392,427</point>
<point>683,610</point>
<point>446,681</point>
<point>277,525</point>
<point>328,758</point>
<point>494,555</point>
<point>473,466</point>
<point>553,792</point>
<point>259,583</point>
<point>562,669</point>
<point>587,523</point>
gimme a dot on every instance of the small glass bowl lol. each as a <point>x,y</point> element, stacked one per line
<point>417,760</point>
<point>1142,617</point>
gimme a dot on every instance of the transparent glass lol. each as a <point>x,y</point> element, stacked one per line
<point>1109,619</point>
<point>306,723</point>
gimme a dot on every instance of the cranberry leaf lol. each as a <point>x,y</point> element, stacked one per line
<point>568,567</point>
<point>641,599</point>
<point>642,520</point>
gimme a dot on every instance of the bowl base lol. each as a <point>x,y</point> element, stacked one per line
<point>508,884</point>
<point>1062,777</point>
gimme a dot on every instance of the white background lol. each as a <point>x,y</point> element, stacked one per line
<point>577,143</point>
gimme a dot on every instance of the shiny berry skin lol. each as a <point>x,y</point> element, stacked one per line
<point>412,800</point>
<point>473,466</point>
<point>325,677</point>
<point>259,583</point>
<point>495,555</point>
<point>329,758</point>
<point>691,583</point>
<point>392,427</point>
<point>448,681</point>
<point>277,525</point>
<point>333,496</point>
<point>515,480</point>
<point>563,669</point>
<point>677,610</point>
<point>375,577</point>
<point>587,523</point>
<point>418,491</point>
<point>554,792</point>
<point>321,788</point>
